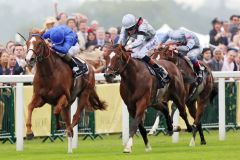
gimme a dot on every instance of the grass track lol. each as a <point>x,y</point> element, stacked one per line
<point>110,148</point>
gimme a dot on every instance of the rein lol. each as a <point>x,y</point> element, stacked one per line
<point>118,71</point>
<point>40,57</point>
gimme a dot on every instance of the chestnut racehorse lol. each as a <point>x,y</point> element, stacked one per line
<point>53,84</point>
<point>138,89</point>
<point>202,93</point>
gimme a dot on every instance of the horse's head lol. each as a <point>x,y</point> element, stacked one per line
<point>166,52</point>
<point>37,48</point>
<point>118,62</point>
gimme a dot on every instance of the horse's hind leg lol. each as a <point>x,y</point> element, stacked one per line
<point>82,102</point>
<point>182,111</point>
<point>144,136</point>
<point>164,109</point>
<point>200,110</point>
<point>36,102</point>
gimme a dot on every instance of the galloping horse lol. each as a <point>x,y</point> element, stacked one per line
<point>201,93</point>
<point>53,84</point>
<point>138,89</point>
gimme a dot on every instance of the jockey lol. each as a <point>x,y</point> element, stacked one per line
<point>187,44</point>
<point>145,39</point>
<point>65,43</point>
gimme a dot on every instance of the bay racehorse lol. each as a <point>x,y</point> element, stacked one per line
<point>200,93</point>
<point>139,90</point>
<point>53,84</point>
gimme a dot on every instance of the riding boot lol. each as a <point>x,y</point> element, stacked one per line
<point>161,73</point>
<point>77,70</point>
<point>199,71</point>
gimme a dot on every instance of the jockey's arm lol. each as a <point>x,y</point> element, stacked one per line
<point>46,35</point>
<point>64,48</point>
<point>138,41</point>
<point>122,37</point>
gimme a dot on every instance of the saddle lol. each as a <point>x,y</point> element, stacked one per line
<point>156,73</point>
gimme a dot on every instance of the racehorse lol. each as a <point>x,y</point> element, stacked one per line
<point>139,90</point>
<point>200,93</point>
<point>53,84</point>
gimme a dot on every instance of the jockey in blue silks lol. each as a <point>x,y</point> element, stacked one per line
<point>65,43</point>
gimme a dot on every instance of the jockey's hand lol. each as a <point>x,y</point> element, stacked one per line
<point>172,47</point>
<point>128,49</point>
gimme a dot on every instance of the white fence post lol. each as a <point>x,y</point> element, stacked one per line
<point>221,102</point>
<point>19,117</point>
<point>75,129</point>
<point>125,124</point>
<point>175,136</point>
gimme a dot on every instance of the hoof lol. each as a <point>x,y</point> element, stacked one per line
<point>177,129</point>
<point>203,142</point>
<point>30,136</point>
<point>169,133</point>
<point>148,148</point>
<point>192,142</point>
<point>127,150</point>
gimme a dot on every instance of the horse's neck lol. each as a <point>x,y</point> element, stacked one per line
<point>48,66</point>
<point>129,73</point>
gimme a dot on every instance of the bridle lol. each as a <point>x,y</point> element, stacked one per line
<point>121,61</point>
<point>39,56</point>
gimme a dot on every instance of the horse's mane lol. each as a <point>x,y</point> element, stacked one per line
<point>36,31</point>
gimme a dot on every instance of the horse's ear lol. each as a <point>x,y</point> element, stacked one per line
<point>42,32</point>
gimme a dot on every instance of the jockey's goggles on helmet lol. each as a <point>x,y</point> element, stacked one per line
<point>131,28</point>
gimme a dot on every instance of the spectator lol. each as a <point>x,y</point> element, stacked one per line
<point>113,34</point>
<point>100,35</point>
<point>20,55</point>
<point>62,18</point>
<point>207,55</point>
<point>83,28</point>
<point>217,61</point>
<point>236,38</point>
<point>10,46</point>
<point>49,23</point>
<point>234,24</point>
<point>237,60</point>
<point>229,63</point>
<point>216,35</point>
<point>4,70</point>
<point>71,23</point>
<point>225,30</point>
<point>91,39</point>
<point>13,67</point>
<point>223,48</point>
<point>107,37</point>
<point>94,25</point>
<point>2,48</point>
<point>82,35</point>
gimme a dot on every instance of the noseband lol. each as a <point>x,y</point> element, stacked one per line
<point>40,57</point>
<point>118,71</point>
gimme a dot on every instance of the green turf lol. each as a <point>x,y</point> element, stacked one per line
<point>110,148</point>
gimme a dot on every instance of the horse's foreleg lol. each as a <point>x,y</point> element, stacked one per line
<point>57,110</point>
<point>36,102</point>
<point>82,102</point>
<point>141,105</point>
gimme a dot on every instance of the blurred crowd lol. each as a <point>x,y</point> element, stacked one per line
<point>224,51</point>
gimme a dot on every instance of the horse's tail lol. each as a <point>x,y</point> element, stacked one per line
<point>95,102</point>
